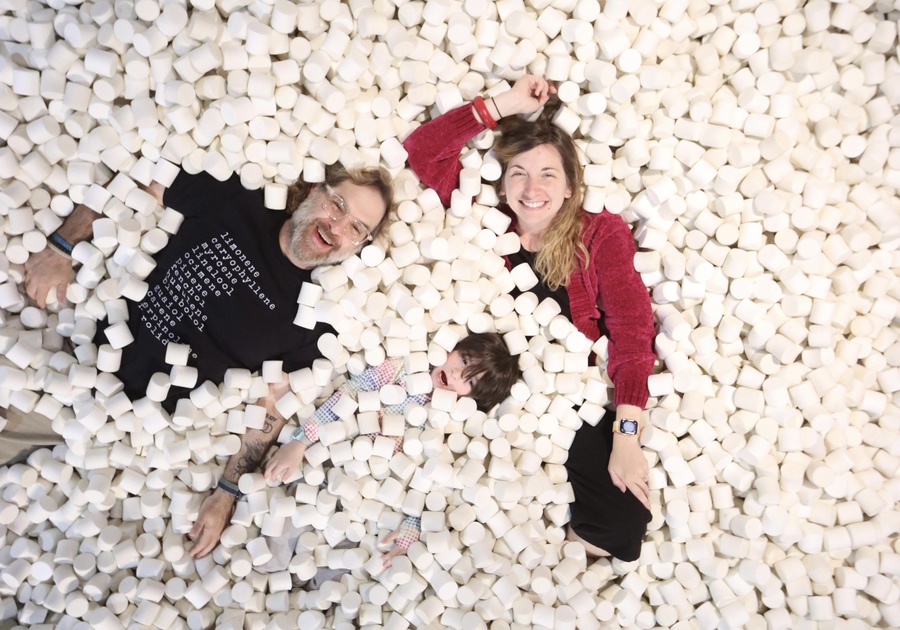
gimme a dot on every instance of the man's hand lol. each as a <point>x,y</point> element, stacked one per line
<point>285,461</point>
<point>45,270</point>
<point>628,467</point>
<point>215,514</point>
<point>526,96</point>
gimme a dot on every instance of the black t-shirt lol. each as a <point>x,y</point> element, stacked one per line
<point>541,290</point>
<point>221,285</point>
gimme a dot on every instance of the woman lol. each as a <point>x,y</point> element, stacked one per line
<point>584,262</point>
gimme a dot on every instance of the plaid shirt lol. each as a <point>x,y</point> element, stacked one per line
<point>410,529</point>
<point>373,378</point>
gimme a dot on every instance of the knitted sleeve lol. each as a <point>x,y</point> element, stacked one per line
<point>372,378</point>
<point>625,302</point>
<point>434,149</point>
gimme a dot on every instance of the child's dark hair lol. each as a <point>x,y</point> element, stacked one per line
<point>491,364</point>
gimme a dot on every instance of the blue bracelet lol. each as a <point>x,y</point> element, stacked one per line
<point>230,488</point>
<point>60,244</point>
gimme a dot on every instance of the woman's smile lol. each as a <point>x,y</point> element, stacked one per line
<point>535,184</point>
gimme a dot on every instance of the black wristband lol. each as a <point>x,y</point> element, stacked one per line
<point>60,244</point>
<point>230,488</point>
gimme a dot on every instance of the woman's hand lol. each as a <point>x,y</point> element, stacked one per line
<point>285,461</point>
<point>44,271</point>
<point>628,467</point>
<point>526,96</point>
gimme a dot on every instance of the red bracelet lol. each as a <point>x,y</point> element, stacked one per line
<point>483,113</point>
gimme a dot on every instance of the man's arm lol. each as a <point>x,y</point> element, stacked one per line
<point>48,268</point>
<point>216,510</point>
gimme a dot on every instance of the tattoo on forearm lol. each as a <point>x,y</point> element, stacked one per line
<point>269,423</point>
<point>250,457</point>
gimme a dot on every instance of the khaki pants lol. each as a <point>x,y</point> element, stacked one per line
<point>23,434</point>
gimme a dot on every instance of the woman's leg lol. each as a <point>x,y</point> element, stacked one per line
<point>602,515</point>
<point>592,550</point>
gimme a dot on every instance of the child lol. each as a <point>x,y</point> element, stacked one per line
<point>479,367</point>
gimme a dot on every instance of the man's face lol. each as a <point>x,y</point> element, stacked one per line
<point>317,239</point>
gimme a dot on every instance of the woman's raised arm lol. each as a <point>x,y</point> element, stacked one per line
<point>434,147</point>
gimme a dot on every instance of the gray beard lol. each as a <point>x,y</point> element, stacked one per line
<point>302,223</point>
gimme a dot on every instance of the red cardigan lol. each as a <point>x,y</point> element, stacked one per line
<point>609,282</point>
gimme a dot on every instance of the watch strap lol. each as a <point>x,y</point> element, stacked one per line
<point>60,244</point>
<point>230,488</point>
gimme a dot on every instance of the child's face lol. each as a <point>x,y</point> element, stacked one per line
<point>450,375</point>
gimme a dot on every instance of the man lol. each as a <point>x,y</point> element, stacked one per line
<point>226,285</point>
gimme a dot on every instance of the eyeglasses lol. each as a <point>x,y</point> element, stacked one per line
<point>336,209</point>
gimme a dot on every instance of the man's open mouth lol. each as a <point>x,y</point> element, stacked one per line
<point>324,237</point>
<point>442,377</point>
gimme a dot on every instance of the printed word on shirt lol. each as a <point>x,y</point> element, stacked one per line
<point>210,269</point>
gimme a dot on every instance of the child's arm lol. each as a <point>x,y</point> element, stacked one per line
<point>402,537</point>
<point>372,378</point>
<point>285,461</point>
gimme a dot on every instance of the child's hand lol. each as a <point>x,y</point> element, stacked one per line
<point>402,537</point>
<point>285,461</point>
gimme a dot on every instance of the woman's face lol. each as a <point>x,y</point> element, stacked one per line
<point>535,185</point>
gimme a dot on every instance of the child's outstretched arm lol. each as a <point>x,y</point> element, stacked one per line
<point>372,378</point>
<point>402,537</point>
<point>290,456</point>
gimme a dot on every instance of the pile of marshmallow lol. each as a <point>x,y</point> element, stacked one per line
<point>753,146</point>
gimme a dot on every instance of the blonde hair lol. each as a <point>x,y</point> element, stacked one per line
<point>561,249</point>
<point>377,178</point>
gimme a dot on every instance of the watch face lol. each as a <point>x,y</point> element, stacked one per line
<point>629,426</point>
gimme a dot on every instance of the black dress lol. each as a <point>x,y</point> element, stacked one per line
<point>601,514</point>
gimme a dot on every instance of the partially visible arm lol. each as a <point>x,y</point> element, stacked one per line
<point>629,319</point>
<point>628,467</point>
<point>627,311</point>
<point>434,149</point>
<point>526,96</point>
<point>289,456</point>
<point>156,189</point>
<point>372,378</point>
<point>78,226</point>
<point>402,537</point>
<point>215,512</point>
<point>48,268</point>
